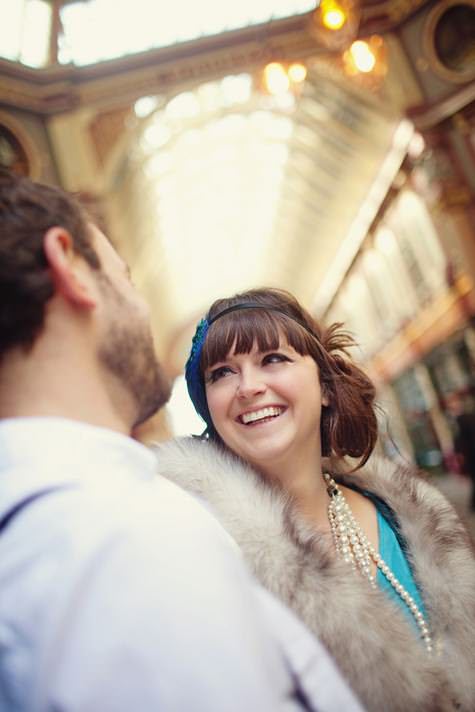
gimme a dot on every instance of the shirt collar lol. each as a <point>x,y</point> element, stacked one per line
<point>43,452</point>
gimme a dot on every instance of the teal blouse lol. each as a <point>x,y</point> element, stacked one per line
<point>392,552</point>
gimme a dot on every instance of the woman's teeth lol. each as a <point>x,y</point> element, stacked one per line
<point>269,412</point>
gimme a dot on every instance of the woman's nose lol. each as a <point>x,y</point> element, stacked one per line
<point>250,384</point>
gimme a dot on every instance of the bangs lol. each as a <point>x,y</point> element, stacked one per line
<point>242,329</point>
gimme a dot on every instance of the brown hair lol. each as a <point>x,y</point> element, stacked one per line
<point>27,211</point>
<point>348,425</point>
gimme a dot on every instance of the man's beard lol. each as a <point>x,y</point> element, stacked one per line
<point>127,351</point>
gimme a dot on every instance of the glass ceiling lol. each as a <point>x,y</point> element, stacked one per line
<point>211,164</point>
<point>97,30</point>
<point>224,187</point>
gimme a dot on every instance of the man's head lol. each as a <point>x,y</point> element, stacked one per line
<point>27,211</point>
<point>55,265</point>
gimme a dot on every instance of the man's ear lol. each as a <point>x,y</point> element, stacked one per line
<point>67,268</point>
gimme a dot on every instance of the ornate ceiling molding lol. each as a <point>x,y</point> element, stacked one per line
<point>120,81</point>
<point>385,15</point>
<point>62,88</point>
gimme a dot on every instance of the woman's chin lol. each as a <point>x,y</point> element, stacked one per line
<point>266,458</point>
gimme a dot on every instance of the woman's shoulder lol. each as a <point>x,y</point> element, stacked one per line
<point>231,487</point>
<point>424,516</point>
<point>188,460</point>
<point>182,451</point>
<point>396,484</point>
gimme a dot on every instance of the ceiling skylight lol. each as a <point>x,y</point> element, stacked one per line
<point>25,31</point>
<point>96,30</point>
<point>213,162</point>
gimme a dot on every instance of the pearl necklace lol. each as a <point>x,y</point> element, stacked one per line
<point>354,547</point>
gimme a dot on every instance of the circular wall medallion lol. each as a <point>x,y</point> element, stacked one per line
<point>449,38</point>
<point>12,154</point>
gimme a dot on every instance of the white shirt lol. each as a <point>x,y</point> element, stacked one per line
<point>120,593</point>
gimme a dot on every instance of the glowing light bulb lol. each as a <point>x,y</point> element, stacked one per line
<point>362,56</point>
<point>333,15</point>
<point>297,72</point>
<point>275,78</point>
<point>334,19</point>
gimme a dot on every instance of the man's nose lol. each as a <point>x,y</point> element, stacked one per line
<point>250,383</point>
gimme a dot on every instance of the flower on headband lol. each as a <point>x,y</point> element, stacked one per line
<point>199,337</point>
<point>194,380</point>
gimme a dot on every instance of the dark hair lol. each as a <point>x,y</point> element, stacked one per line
<point>27,211</point>
<point>348,425</point>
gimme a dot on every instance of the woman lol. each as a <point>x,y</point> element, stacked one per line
<point>372,558</point>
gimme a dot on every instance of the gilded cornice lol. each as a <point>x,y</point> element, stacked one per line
<point>61,88</point>
<point>393,11</point>
<point>116,82</point>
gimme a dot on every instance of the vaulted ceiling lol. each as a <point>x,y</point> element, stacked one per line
<point>216,185</point>
<point>226,188</point>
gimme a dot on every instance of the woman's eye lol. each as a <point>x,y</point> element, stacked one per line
<point>218,373</point>
<point>274,358</point>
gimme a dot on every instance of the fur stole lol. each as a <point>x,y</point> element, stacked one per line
<point>368,634</point>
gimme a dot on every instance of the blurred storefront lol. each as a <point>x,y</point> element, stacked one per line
<point>414,275</point>
<point>413,313</point>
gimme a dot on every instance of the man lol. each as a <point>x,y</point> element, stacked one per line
<point>117,590</point>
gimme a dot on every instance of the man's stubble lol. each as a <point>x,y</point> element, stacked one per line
<point>127,351</point>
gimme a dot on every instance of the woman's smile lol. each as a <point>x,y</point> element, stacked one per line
<point>264,414</point>
<point>266,406</point>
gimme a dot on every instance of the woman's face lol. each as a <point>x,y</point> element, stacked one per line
<point>266,406</point>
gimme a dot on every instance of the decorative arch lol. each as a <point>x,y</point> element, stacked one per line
<point>26,160</point>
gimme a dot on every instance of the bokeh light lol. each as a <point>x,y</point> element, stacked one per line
<point>297,72</point>
<point>333,15</point>
<point>361,57</point>
<point>276,79</point>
